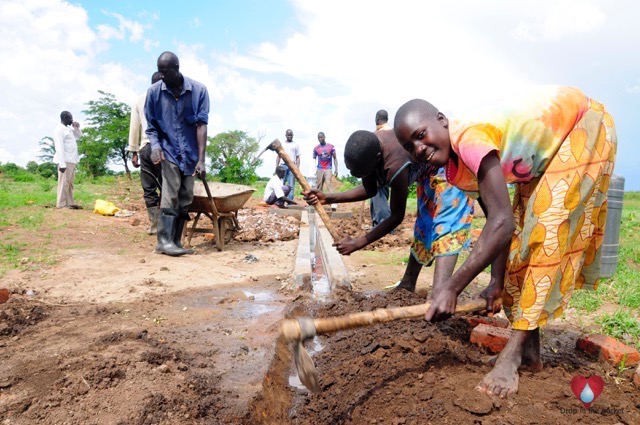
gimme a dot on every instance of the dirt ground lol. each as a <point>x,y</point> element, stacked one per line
<point>100,330</point>
<point>414,372</point>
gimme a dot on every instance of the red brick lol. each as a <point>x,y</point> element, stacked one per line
<point>4,295</point>
<point>636,377</point>
<point>499,322</point>
<point>490,337</point>
<point>608,349</point>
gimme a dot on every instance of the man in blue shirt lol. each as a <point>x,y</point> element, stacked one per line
<point>177,113</point>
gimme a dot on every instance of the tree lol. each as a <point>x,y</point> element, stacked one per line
<point>32,167</point>
<point>231,155</point>
<point>106,136</point>
<point>47,149</point>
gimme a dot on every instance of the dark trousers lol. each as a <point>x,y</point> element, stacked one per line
<point>272,198</point>
<point>379,206</point>
<point>150,177</point>
<point>289,180</point>
<point>177,189</point>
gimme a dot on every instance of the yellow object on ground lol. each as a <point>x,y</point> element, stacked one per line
<point>105,207</point>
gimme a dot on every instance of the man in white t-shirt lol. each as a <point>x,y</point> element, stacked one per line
<point>275,193</point>
<point>65,138</point>
<point>293,150</point>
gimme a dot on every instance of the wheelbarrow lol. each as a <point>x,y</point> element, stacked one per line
<point>221,208</point>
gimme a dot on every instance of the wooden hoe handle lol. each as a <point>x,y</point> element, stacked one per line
<point>305,185</point>
<point>366,318</point>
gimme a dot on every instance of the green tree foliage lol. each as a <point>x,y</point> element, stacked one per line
<point>47,169</point>
<point>106,136</point>
<point>47,149</point>
<point>230,157</point>
<point>32,167</point>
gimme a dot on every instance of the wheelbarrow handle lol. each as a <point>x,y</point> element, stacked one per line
<point>305,185</point>
<point>206,188</point>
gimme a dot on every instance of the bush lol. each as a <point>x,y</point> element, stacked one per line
<point>47,169</point>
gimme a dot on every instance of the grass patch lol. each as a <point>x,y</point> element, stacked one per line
<point>621,325</point>
<point>588,301</point>
<point>10,256</point>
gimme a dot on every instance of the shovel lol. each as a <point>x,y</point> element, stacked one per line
<point>303,328</point>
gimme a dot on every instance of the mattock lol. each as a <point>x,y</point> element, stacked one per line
<point>277,147</point>
<point>304,328</point>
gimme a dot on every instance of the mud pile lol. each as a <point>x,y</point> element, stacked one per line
<point>257,225</point>
<point>413,372</point>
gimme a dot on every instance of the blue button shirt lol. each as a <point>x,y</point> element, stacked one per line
<point>171,122</point>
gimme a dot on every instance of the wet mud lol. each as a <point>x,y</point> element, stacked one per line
<point>413,372</point>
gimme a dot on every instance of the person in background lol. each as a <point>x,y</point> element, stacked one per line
<point>275,193</point>
<point>379,204</point>
<point>325,153</point>
<point>293,150</point>
<point>558,147</point>
<point>377,159</point>
<point>150,173</point>
<point>177,113</point>
<point>65,141</point>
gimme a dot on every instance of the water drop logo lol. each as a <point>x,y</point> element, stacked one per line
<point>587,390</point>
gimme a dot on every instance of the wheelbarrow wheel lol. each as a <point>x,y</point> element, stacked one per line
<point>227,229</point>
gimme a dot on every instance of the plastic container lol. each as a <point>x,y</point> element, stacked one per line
<point>610,245</point>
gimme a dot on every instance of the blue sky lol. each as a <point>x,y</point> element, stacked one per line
<point>315,65</point>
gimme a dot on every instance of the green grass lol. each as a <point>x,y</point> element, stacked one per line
<point>621,325</point>
<point>25,204</point>
<point>588,301</point>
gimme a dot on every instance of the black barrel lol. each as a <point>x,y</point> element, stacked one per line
<point>610,245</point>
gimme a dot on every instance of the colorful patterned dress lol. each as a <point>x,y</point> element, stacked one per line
<point>559,148</point>
<point>443,219</point>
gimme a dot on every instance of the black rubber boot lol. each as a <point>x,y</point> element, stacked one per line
<point>177,239</point>
<point>167,223</point>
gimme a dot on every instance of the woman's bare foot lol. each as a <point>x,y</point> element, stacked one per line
<point>531,361</point>
<point>503,379</point>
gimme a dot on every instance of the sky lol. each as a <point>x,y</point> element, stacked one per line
<point>315,65</point>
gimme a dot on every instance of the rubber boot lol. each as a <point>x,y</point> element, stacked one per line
<point>152,213</point>
<point>166,232</point>
<point>177,239</point>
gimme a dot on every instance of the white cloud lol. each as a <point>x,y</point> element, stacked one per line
<point>339,63</point>
<point>52,67</point>
<point>559,19</point>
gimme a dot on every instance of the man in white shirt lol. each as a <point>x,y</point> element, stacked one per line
<point>293,150</point>
<point>275,193</point>
<point>65,138</point>
<point>150,173</point>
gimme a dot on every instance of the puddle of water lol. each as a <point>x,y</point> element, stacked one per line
<point>235,302</point>
<point>260,295</point>
<point>249,309</point>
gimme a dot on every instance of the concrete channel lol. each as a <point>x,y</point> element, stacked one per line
<point>317,261</point>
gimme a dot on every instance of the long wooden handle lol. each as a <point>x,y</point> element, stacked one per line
<point>305,185</point>
<point>366,318</point>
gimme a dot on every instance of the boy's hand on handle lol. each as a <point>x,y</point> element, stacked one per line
<point>442,306</point>
<point>314,196</point>
<point>347,245</point>
<point>491,294</point>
